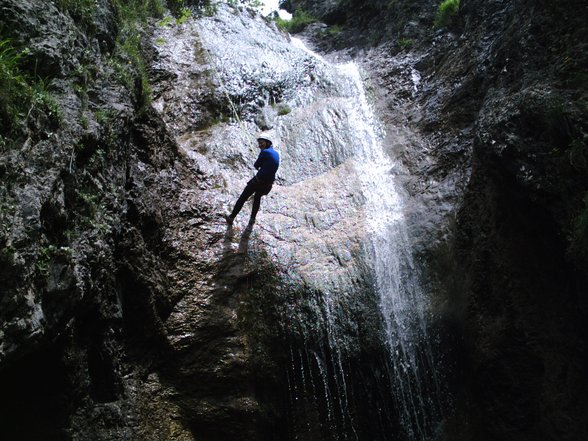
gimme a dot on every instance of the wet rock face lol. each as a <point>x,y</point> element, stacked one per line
<point>290,327</point>
<point>260,89</point>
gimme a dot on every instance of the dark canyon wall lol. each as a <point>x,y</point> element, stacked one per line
<point>86,277</point>
<point>511,83</point>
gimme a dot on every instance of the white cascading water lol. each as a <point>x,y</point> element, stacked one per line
<point>403,303</point>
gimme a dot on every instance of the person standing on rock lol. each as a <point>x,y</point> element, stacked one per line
<point>267,164</point>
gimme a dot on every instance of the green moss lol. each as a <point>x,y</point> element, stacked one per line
<point>284,110</point>
<point>446,13</point>
<point>335,30</point>
<point>405,43</point>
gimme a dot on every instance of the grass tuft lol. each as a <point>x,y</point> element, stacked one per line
<point>446,13</point>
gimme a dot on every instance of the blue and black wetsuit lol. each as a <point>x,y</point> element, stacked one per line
<point>267,164</point>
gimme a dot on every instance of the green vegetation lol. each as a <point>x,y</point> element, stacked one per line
<point>104,117</point>
<point>252,3</point>
<point>256,4</point>
<point>133,15</point>
<point>197,7</point>
<point>82,11</point>
<point>185,14</point>
<point>14,86</point>
<point>132,12</point>
<point>7,209</point>
<point>182,17</point>
<point>405,43</point>
<point>43,99</point>
<point>50,253</point>
<point>335,30</point>
<point>7,255</point>
<point>210,9</point>
<point>446,12</point>
<point>283,110</point>
<point>300,20</point>
<point>165,21</point>
<point>21,94</point>
<point>128,60</point>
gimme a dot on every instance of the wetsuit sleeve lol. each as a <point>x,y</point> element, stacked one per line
<point>259,161</point>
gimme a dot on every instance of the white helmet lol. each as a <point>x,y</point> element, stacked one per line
<point>266,136</point>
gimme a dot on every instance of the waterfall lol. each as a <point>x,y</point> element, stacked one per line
<point>403,303</point>
<point>359,364</point>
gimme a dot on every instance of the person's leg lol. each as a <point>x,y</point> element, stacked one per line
<point>261,190</point>
<point>256,205</point>
<point>246,194</point>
